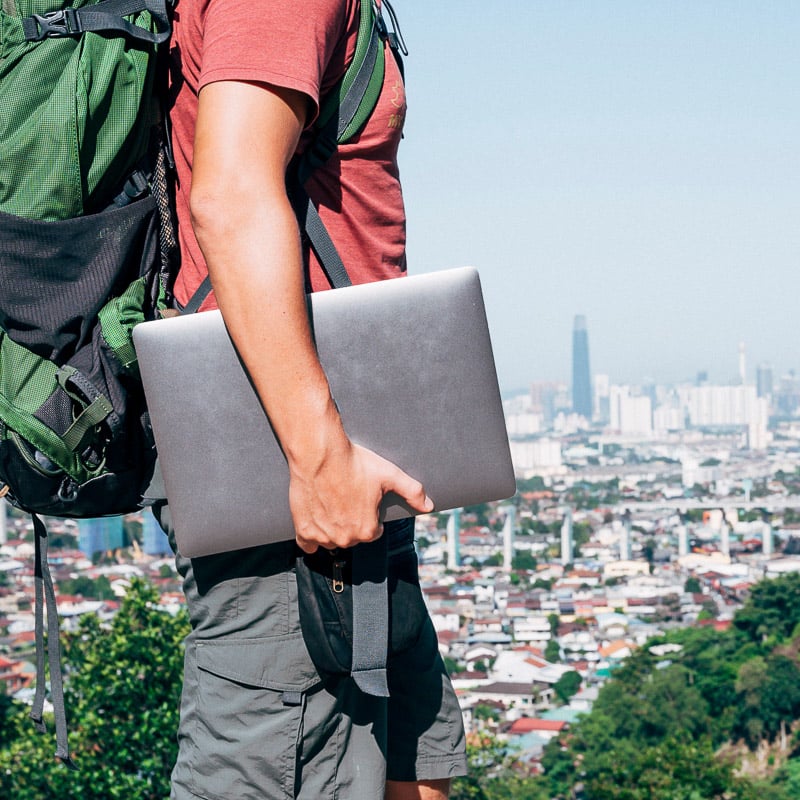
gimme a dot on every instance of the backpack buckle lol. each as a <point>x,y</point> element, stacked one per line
<point>53,24</point>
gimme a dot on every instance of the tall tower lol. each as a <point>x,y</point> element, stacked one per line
<point>508,537</point>
<point>581,380</point>
<point>453,536</point>
<point>742,365</point>
<point>683,539</point>
<point>567,544</point>
<point>625,539</point>
<point>725,539</point>
<point>766,541</point>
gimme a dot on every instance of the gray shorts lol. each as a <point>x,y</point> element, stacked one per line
<point>258,723</point>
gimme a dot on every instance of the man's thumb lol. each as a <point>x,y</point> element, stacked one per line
<point>411,490</point>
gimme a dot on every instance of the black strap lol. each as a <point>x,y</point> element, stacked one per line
<point>371,617</point>
<point>45,597</point>
<point>328,256</point>
<point>106,16</point>
<point>196,300</point>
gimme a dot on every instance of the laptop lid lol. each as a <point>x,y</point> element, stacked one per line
<point>410,365</point>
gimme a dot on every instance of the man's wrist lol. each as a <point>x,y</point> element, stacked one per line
<point>316,437</point>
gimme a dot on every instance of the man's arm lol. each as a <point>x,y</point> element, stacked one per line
<point>246,135</point>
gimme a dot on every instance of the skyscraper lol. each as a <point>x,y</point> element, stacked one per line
<point>764,380</point>
<point>97,535</point>
<point>581,381</point>
<point>453,536</point>
<point>567,542</point>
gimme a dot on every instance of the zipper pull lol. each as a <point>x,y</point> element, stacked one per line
<point>338,574</point>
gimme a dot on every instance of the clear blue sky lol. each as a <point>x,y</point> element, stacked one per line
<point>637,162</point>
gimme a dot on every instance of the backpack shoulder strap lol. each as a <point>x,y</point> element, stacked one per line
<point>346,108</point>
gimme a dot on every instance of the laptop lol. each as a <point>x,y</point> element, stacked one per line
<point>410,366</point>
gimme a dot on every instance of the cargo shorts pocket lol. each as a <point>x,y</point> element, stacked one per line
<point>248,724</point>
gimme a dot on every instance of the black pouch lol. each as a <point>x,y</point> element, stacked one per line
<point>75,439</point>
<point>325,587</point>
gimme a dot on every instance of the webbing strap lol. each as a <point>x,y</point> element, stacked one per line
<point>370,617</point>
<point>196,300</point>
<point>44,591</point>
<point>91,416</point>
<point>319,238</point>
<point>106,16</point>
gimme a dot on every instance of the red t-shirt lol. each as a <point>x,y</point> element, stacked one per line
<point>305,47</point>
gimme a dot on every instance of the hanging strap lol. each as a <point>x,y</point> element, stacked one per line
<point>101,17</point>
<point>371,617</point>
<point>45,598</point>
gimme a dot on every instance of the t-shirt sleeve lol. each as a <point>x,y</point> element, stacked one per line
<point>282,43</point>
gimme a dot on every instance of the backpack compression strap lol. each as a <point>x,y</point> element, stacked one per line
<point>45,593</point>
<point>105,16</point>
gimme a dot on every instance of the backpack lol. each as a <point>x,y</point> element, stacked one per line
<point>88,250</point>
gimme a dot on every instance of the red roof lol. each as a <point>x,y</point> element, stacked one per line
<point>530,724</point>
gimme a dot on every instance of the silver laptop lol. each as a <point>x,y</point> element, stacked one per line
<point>410,366</point>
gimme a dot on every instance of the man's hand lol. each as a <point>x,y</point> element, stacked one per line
<point>335,503</point>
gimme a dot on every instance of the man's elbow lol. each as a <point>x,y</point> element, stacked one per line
<point>211,215</point>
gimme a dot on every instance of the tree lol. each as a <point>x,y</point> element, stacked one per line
<point>523,559</point>
<point>99,589</point>
<point>123,695</point>
<point>495,774</point>
<point>567,685</point>
<point>772,611</point>
<point>552,651</point>
<point>693,585</point>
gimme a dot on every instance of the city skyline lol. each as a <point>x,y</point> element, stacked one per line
<point>635,163</point>
<point>759,374</point>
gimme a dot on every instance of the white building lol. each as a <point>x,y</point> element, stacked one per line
<point>536,457</point>
<point>628,413</point>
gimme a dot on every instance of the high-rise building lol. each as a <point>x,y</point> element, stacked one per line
<point>764,380</point>
<point>154,540</point>
<point>97,535</point>
<point>453,537</point>
<point>625,539</point>
<point>581,377</point>
<point>508,537</point>
<point>567,542</point>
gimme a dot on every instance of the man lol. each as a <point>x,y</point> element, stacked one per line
<point>256,720</point>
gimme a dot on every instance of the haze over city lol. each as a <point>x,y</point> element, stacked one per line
<point>635,163</point>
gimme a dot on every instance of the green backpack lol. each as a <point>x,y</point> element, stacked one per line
<point>88,250</point>
<point>81,260</point>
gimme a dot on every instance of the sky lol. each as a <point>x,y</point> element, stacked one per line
<point>635,162</point>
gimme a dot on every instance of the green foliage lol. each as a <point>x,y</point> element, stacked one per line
<point>485,712</point>
<point>693,585</point>
<point>658,723</point>
<point>567,685</point>
<point>552,652</point>
<point>83,586</point>
<point>495,774</point>
<point>772,611</point>
<point>452,666</point>
<point>523,559</point>
<point>123,695</point>
<point>534,484</point>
